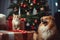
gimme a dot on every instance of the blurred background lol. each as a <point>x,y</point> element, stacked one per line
<point>54,5</point>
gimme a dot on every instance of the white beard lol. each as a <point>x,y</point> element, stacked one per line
<point>45,32</point>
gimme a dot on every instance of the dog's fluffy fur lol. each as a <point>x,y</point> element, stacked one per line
<point>47,29</point>
<point>15,22</point>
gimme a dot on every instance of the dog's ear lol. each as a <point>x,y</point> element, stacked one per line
<point>51,17</point>
<point>13,15</point>
<point>41,18</point>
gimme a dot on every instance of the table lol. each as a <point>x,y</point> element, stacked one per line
<point>11,35</point>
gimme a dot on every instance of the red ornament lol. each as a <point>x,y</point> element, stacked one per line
<point>24,5</point>
<point>32,27</point>
<point>34,1</point>
<point>23,19</point>
<point>35,20</point>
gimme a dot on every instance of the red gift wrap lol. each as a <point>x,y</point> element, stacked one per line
<point>14,35</point>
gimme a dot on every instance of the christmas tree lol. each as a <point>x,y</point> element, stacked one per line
<point>31,10</point>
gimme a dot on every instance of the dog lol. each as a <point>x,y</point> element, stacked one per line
<point>15,22</point>
<point>47,29</point>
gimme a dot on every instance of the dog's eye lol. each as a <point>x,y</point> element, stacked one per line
<point>41,20</point>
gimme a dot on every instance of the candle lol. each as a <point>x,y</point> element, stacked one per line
<point>29,1</point>
<point>19,11</point>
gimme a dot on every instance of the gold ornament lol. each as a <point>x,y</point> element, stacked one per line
<point>33,23</point>
<point>25,10</point>
<point>31,4</point>
<point>28,13</point>
<point>42,8</point>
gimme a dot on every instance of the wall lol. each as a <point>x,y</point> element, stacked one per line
<point>52,6</point>
<point>4,4</point>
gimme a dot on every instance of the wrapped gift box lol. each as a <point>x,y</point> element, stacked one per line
<point>10,35</point>
<point>30,36</point>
